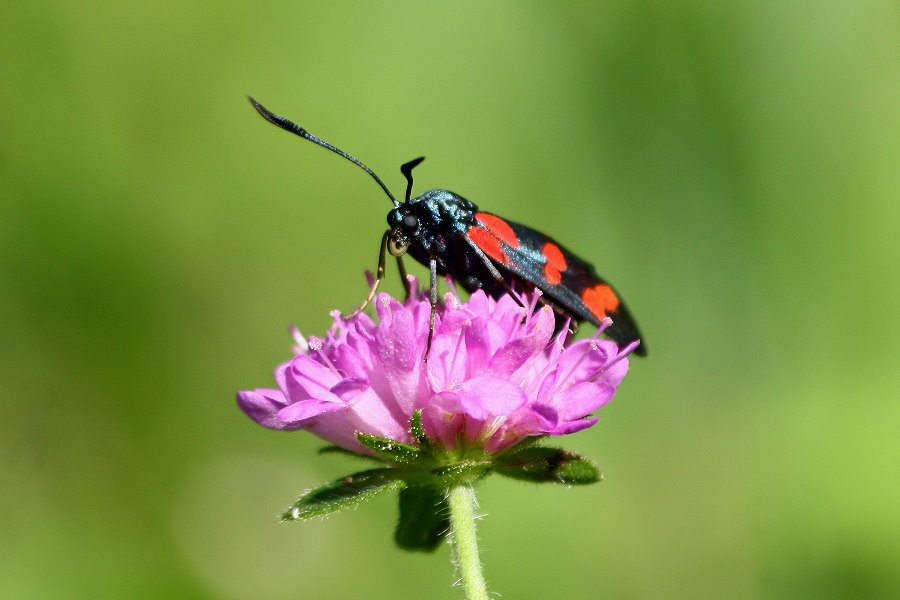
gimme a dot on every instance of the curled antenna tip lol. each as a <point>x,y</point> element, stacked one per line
<point>267,114</point>
<point>409,166</point>
<point>292,127</point>
<point>406,168</point>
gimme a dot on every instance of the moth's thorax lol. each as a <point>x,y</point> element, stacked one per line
<point>434,212</point>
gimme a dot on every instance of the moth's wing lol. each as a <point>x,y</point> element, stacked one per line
<point>567,281</point>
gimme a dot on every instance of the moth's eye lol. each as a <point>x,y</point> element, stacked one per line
<point>410,223</point>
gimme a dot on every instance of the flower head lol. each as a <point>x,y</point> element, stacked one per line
<point>496,374</point>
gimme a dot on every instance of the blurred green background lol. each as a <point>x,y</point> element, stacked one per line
<point>731,167</point>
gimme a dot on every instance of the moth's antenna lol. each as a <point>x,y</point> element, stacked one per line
<point>406,169</point>
<point>288,125</point>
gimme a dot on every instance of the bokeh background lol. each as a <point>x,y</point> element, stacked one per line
<point>731,166</point>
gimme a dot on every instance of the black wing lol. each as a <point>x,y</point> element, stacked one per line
<point>568,282</point>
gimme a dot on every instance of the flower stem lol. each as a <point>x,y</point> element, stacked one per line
<point>465,543</point>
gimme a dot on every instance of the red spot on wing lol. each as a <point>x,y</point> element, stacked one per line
<point>556,263</point>
<point>553,276</point>
<point>600,300</point>
<point>489,243</point>
<point>499,228</point>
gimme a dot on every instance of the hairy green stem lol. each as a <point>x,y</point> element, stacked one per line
<point>465,543</point>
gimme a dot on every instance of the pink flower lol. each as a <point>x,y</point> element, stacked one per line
<point>496,374</point>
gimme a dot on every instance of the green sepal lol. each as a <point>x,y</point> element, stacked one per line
<point>390,450</point>
<point>418,432</point>
<point>424,519</point>
<point>343,493</point>
<point>524,443</point>
<point>345,452</point>
<point>463,473</point>
<point>541,465</point>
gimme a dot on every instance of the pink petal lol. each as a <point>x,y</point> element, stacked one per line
<point>369,414</point>
<point>574,426</point>
<point>261,405</point>
<point>549,416</point>
<point>307,378</point>
<point>447,362</point>
<point>510,357</point>
<point>364,411</point>
<point>400,352</point>
<point>615,373</point>
<point>478,346</point>
<point>507,313</point>
<point>586,358</point>
<point>307,409</point>
<point>479,303</point>
<point>495,396</point>
<point>281,374</point>
<point>535,419</point>
<point>442,418</point>
<point>350,390</point>
<point>582,399</point>
<point>350,362</point>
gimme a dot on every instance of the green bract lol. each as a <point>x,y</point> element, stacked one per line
<point>425,473</point>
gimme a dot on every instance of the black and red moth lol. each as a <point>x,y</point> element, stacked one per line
<point>479,250</point>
